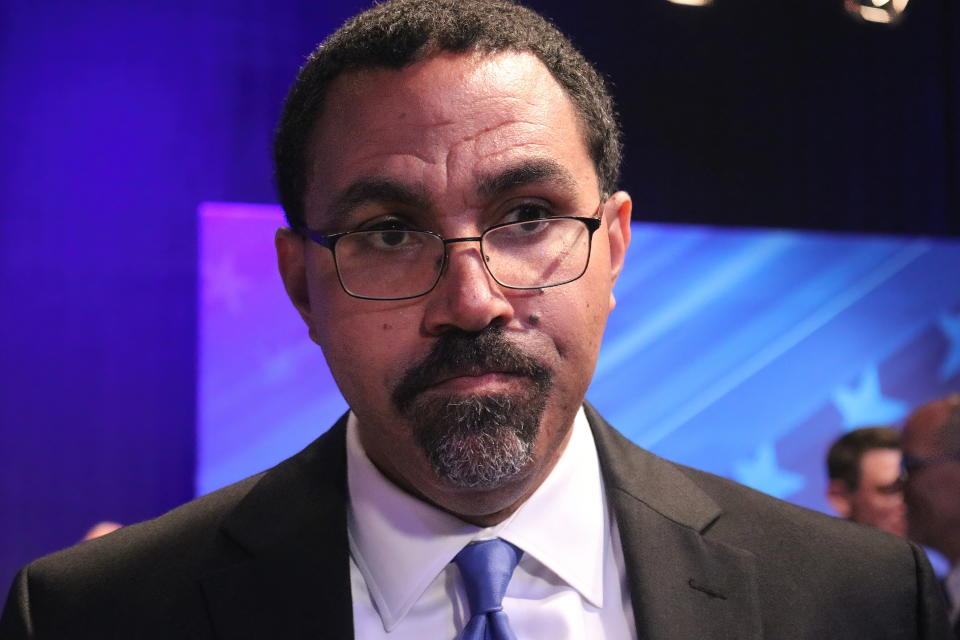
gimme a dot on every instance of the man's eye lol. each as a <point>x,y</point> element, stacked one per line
<point>388,234</point>
<point>394,238</point>
<point>390,238</point>
<point>527,212</point>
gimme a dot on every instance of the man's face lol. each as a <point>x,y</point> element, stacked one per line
<point>455,144</point>
<point>933,509</point>
<point>878,499</point>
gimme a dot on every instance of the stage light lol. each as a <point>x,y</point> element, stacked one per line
<point>692,3</point>
<point>882,11</point>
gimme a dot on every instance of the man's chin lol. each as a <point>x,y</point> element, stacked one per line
<point>476,441</point>
<point>481,461</point>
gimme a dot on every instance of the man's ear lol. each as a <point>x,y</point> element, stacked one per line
<point>619,208</point>
<point>290,260</point>
<point>839,497</point>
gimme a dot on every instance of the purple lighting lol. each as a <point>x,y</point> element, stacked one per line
<point>264,391</point>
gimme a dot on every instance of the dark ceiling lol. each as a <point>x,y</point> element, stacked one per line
<point>777,113</point>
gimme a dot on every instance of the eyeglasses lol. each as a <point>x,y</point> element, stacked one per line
<point>395,263</point>
<point>912,464</point>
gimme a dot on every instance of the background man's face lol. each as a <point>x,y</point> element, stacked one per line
<point>931,492</point>
<point>878,500</point>
<point>440,129</point>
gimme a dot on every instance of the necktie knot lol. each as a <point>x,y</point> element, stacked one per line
<point>486,568</point>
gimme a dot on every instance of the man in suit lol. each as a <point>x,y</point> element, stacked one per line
<point>449,174</point>
<point>931,459</point>
<point>865,478</point>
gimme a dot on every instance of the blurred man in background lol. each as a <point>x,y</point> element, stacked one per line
<point>931,459</point>
<point>865,486</point>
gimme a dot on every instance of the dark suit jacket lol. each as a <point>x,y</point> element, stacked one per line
<point>268,558</point>
<point>946,598</point>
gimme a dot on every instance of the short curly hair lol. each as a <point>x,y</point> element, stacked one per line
<point>398,33</point>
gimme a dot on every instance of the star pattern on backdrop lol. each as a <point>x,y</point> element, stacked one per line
<point>286,362</point>
<point>763,472</point>
<point>864,404</point>
<point>950,326</point>
<point>224,285</point>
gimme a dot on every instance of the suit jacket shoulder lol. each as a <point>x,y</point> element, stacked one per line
<point>741,564</point>
<point>246,561</point>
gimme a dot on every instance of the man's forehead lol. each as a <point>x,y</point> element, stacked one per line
<point>924,427</point>
<point>452,90</point>
<point>374,117</point>
<point>879,458</point>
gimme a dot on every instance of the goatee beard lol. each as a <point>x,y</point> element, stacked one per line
<point>475,441</point>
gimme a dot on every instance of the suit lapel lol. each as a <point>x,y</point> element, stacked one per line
<point>285,569</point>
<point>682,583</point>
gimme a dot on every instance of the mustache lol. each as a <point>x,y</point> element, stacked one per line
<point>458,353</point>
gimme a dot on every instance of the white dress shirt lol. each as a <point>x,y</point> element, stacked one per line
<point>570,583</point>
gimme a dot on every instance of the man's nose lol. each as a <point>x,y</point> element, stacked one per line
<point>467,297</point>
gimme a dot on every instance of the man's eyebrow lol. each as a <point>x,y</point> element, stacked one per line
<point>536,171</point>
<point>373,190</point>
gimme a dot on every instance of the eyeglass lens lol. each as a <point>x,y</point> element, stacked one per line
<point>393,264</point>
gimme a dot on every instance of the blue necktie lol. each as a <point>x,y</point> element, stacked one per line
<point>486,568</point>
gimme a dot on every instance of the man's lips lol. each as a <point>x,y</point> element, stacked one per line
<point>474,380</point>
<point>462,363</point>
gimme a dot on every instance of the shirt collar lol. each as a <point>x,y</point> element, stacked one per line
<point>400,543</point>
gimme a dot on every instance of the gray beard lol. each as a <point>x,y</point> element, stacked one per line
<point>479,441</point>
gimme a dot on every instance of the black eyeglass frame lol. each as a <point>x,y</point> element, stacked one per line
<point>330,242</point>
<point>913,464</point>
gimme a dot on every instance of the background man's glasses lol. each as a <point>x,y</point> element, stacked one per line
<point>912,464</point>
<point>397,264</point>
